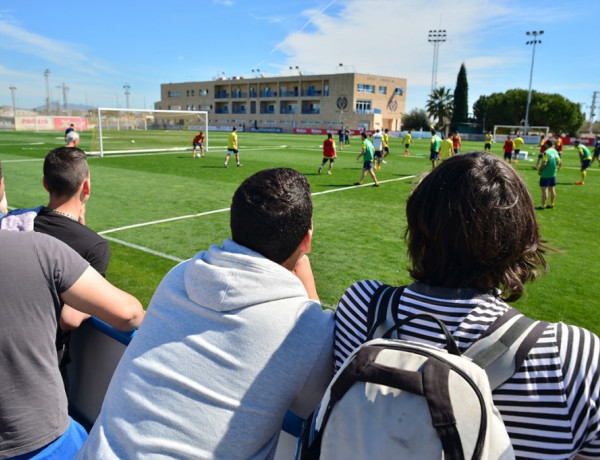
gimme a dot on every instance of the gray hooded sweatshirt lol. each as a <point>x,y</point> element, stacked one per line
<point>230,341</point>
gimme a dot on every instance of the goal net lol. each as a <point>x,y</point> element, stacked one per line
<point>141,130</point>
<point>502,131</point>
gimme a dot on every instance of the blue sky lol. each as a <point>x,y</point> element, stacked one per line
<point>95,48</point>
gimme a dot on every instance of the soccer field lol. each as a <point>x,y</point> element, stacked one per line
<point>158,208</point>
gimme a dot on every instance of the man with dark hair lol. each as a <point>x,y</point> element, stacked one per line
<point>232,338</point>
<point>67,180</point>
<point>367,154</point>
<point>232,147</point>
<point>473,242</point>
<point>329,153</point>
<point>550,165</point>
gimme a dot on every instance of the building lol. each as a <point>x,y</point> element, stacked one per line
<point>293,103</point>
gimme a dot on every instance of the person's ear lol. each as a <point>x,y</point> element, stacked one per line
<point>306,242</point>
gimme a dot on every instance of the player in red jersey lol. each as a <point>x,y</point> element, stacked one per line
<point>329,153</point>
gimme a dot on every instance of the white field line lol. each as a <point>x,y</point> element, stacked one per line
<point>216,211</point>
<point>144,249</point>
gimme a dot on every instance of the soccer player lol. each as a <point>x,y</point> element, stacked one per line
<point>407,140</point>
<point>341,138</point>
<point>446,149</point>
<point>542,150</point>
<point>434,150</point>
<point>329,153</point>
<point>456,142</point>
<point>488,142</point>
<point>559,145</point>
<point>367,154</point>
<point>596,150</point>
<point>197,143</point>
<point>232,147</point>
<point>346,136</point>
<point>386,143</point>
<point>378,147</point>
<point>519,142</point>
<point>509,147</point>
<point>551,162</point>
<point>585,156</point>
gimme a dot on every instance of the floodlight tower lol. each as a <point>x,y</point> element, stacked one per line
<point>65,91</point>
<point>592,109</point>
<point>533,42</point>
<point>46,75</point>
<point>126,87</point>
<point>436,37</point>
<point>12,93</point>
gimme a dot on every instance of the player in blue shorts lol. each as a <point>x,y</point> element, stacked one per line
<point>367,154</point>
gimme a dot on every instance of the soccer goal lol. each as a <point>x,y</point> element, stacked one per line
<point>141,130</point>
<point>502,131</point>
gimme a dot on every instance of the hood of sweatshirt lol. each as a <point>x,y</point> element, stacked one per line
<point>231,276</point>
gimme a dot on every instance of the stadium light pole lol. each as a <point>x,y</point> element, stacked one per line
<point>535,41</point>
<point>436,37</point>
<point>12,93</point>
<point>46,75</point>
<point>126,87</point>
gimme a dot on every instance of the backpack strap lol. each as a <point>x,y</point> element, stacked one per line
<point>503,347</point>
<point>383,310</point>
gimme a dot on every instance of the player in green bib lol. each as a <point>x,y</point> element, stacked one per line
<point>550,164</point>
<point>585,156</point>
<point>367,153</point>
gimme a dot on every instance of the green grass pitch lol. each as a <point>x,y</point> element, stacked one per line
<point>160,207</point>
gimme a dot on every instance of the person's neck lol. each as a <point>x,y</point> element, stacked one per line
<point>69,208</point>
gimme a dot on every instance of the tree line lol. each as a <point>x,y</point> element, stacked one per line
<point>449,111</point>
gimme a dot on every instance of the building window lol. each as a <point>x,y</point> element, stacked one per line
<point>365,88</point>
<point>173,94</point>
<point>363,106</point>
<point>202,92</point>
<point>399,91</point>
<point>383,90</point>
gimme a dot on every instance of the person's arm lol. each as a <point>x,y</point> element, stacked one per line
<point>303,271</point>
<point>94,295</point>
<point>71,318</point>
<point>542,166</point>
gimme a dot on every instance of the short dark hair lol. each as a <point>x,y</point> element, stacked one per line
<point>471,223</point>
<point>65,168</point>
<point>271,212</point>
<point>548,143</point>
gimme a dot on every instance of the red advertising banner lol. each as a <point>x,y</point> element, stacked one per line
<point>62,123</point>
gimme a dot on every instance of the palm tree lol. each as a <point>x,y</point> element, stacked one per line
<point>440,105</point>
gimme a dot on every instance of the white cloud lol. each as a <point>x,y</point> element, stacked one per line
<point>389,37</point>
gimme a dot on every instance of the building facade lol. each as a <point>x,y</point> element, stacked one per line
<point>288,103</point>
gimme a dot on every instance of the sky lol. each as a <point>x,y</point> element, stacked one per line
<point>97,48</point>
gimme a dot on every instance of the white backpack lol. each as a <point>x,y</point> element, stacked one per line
<point>401,399</point>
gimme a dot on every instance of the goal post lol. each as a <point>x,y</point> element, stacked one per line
<point>502,131</point>
<point>117,130</point>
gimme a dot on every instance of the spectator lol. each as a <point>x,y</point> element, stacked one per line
<point>37,274</point>
<point>473,241</point>
<point>231,340</point>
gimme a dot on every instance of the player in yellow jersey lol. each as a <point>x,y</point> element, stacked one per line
<point>446,149</point>
<point>407,140</point>
<point>518,144</point>
<point>585,156</point>
<point>386,143</point>
<point>488,142</point>
<point>232,147</point>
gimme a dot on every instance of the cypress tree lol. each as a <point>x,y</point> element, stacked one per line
<point>461,99</point>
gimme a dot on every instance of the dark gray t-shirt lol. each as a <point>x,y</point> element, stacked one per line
<point>34,270</point>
